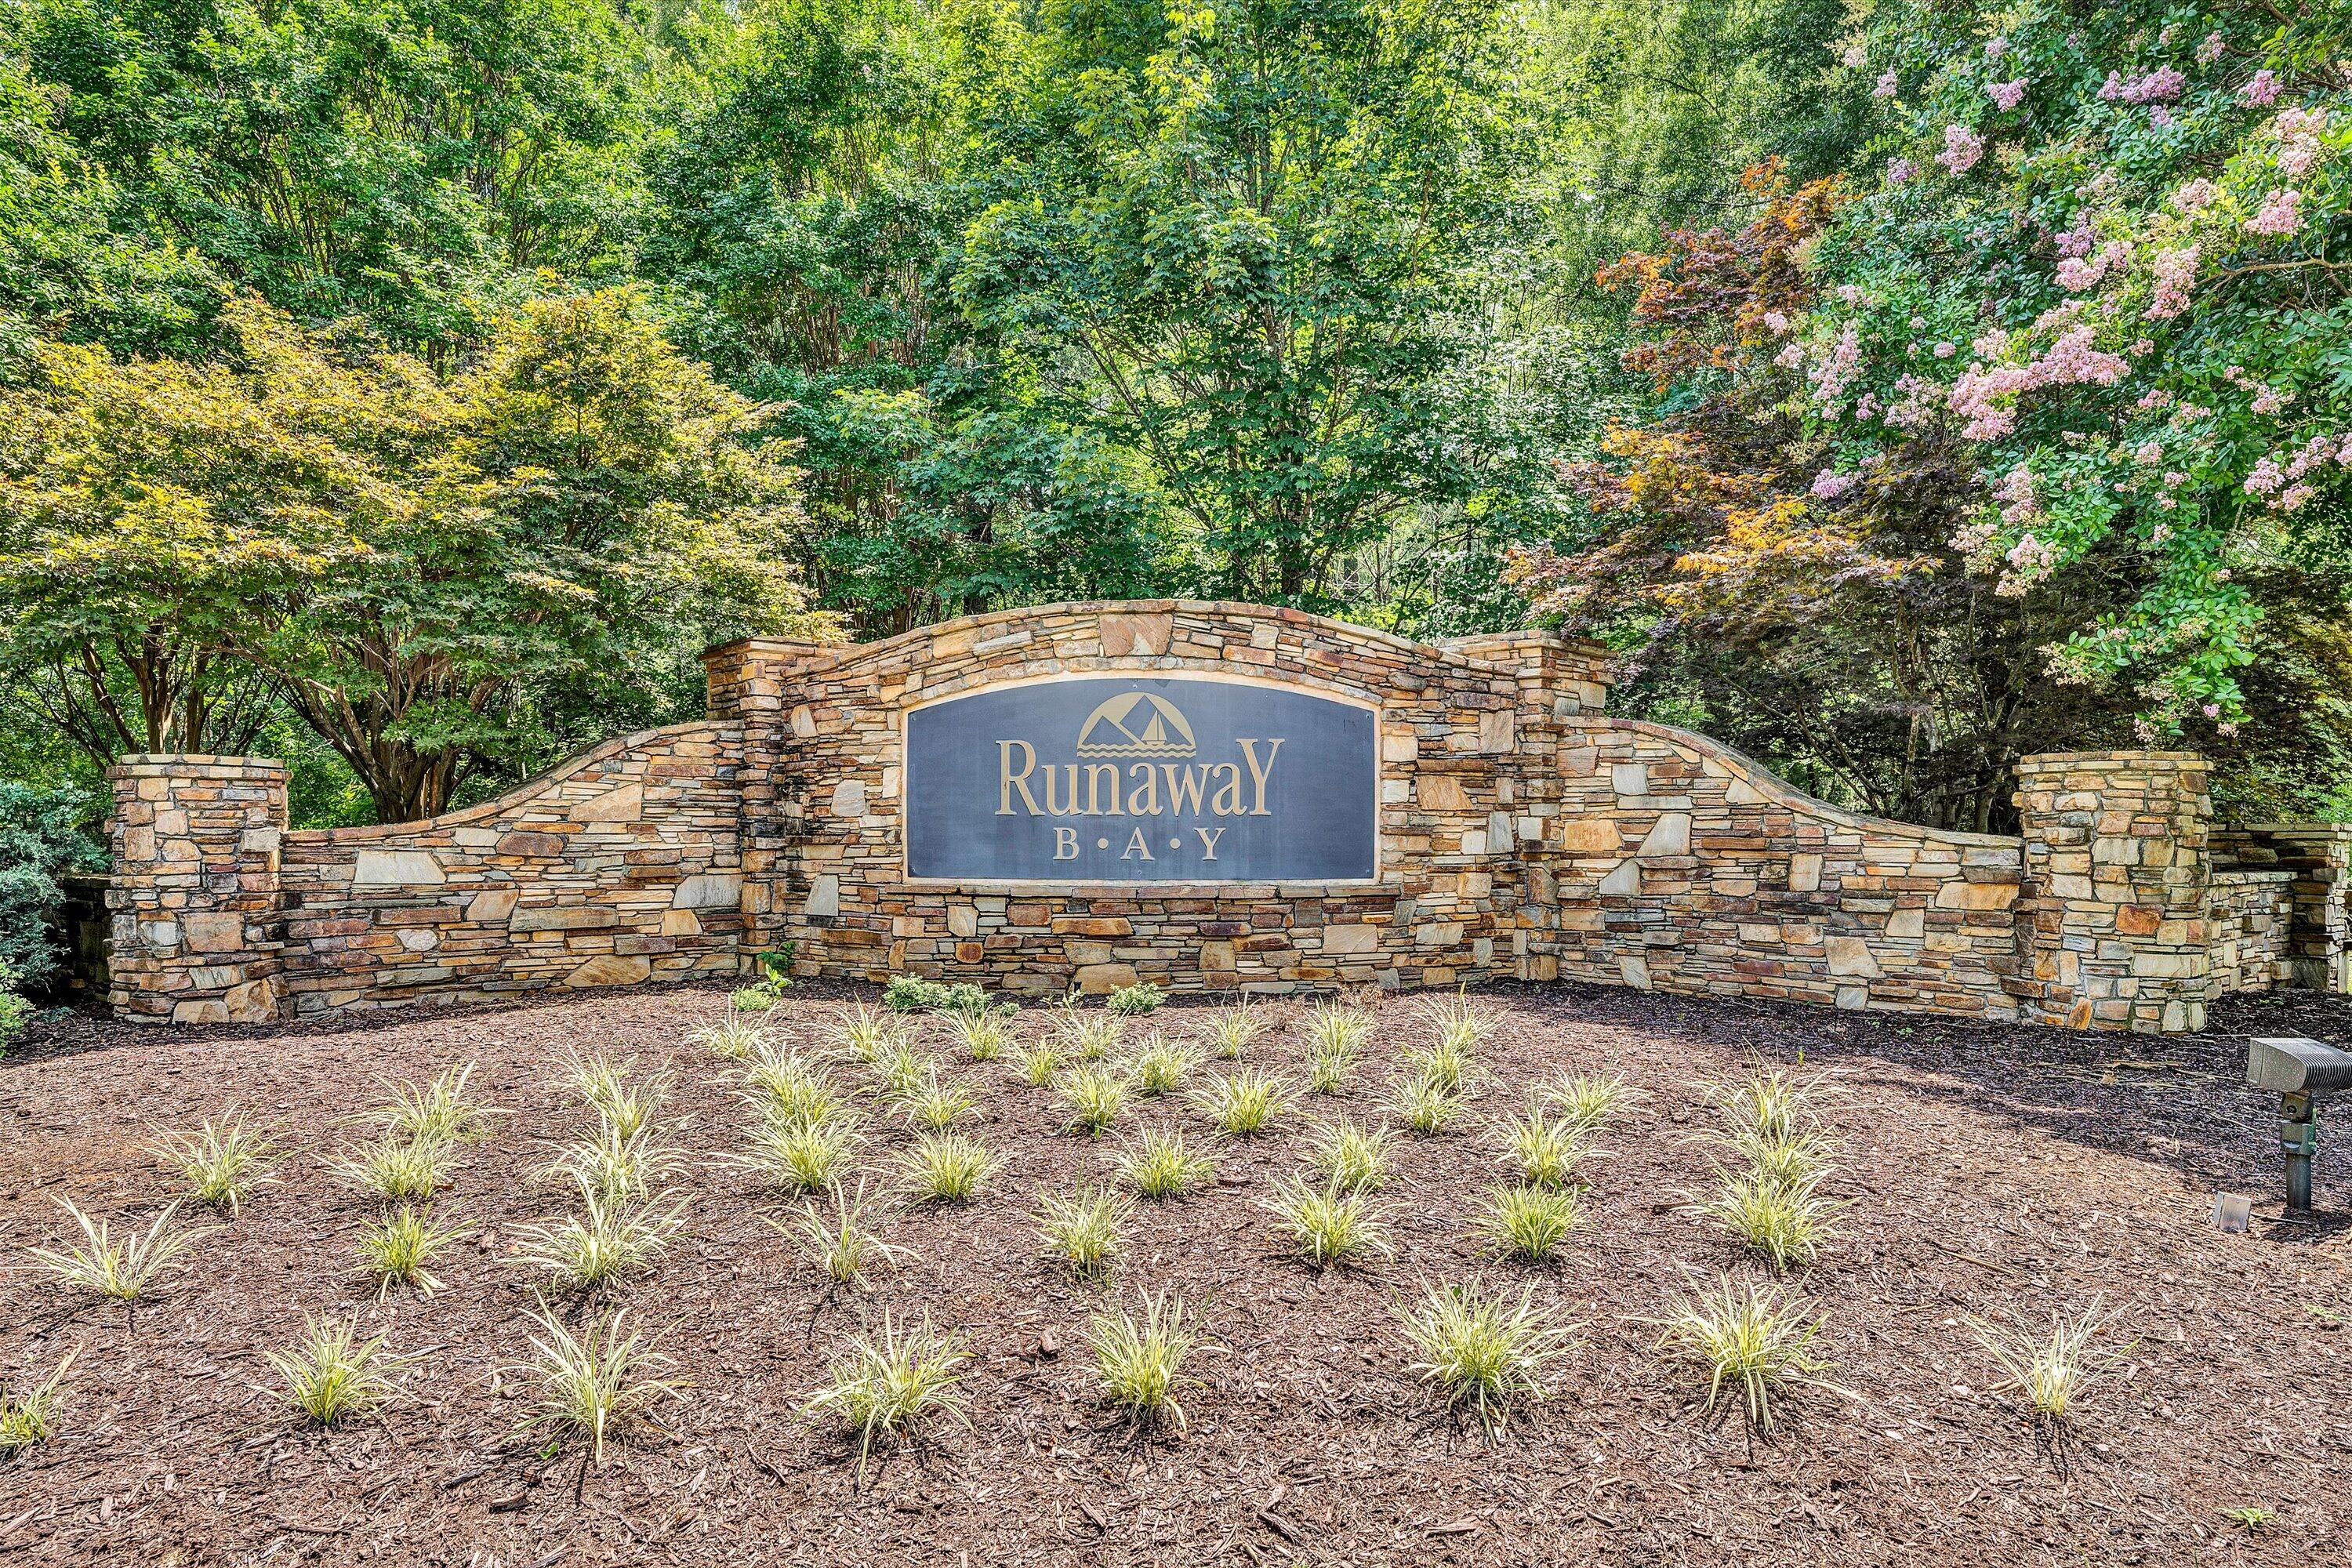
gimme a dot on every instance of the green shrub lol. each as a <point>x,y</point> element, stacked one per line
<point>1134,1001</point>
<point>41,839</point>
<point>964,998</point>
<point>913,994</point>
<point>14,1008</point>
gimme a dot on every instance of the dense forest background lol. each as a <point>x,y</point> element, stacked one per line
<point>410,388</point>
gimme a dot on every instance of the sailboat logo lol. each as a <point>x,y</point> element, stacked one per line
<point>1136,724</point>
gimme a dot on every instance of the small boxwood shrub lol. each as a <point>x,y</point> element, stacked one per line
<point>1134,1001</point>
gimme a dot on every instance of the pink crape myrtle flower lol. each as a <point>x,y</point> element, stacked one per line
<point>1886,86</point>
<point>2194,197</point>
<point>2280,214</point>
<point>2298,131</point>
<point>2161,85</point>
<point>1829,484</point>
<point>1962,148</point>
<point>2209,49</point>
<point>1900,171</point>
<point>1855,58</point>
<point>2262,92</point>
<point>2006,95</point>
<point>2174,271</point>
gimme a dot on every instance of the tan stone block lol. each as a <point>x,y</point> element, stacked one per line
<point>1907,924</point>
<point>138,844</point>
<point>1975,895</point>
<point>1805,873</point>
<point>709,890</point>
<point>1442,791</point>
<point>1217,957</point>
<point>611,969</point>
<point>1499,731</point>
<point>1850,958</point>
<point>492,907</point>
<point>626,803</point>
<point>1634,972</point>
<point>1122,634</point>
<point>2139,919</point>
<point>526,845</point>
<point>1590,835</point>
<point>1347,939</point>
<point>963,920</point>
<point>1670,835</point>
<point>565,917</point>
<point>396,868</point>
<point>680,922</point>
<point>1102,979</point>
<point>212,1010</point>
<point>1086,925</point>
<point>254,1002</point>
<point>214,933</point>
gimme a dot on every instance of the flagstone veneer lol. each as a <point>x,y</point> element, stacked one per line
<point>1523,834</point>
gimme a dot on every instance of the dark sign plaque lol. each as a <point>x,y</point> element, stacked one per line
<point>1122,779</point>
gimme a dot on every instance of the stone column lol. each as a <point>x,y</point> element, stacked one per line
<point>198,917</point>
<point>2117,870</point>
<point>754,682</point>
<point>2319,855</point>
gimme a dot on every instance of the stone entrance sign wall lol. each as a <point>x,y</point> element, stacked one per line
<point>1215,797</point>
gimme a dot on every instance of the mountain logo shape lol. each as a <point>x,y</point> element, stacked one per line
<point>1136,724</point>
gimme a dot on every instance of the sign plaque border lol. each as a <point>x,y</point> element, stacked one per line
<point>1115,888</point>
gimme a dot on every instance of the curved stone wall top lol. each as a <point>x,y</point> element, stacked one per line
<point>515,799</point>
<point>1779,792</point>
<point>946,656</point>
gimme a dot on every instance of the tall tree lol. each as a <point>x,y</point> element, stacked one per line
<point>403,161</point>
<point>1244,238</point>
<point>411,560</point>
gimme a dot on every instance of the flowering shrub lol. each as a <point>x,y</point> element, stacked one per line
<point>2134,217</point>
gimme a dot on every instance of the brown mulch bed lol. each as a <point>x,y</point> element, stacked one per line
<point>1988,1170</point>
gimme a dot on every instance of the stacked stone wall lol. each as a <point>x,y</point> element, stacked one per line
<point>2248,916</point>
<point>622,867</point>
<point>1523,833</point>
<point>1669,862</point>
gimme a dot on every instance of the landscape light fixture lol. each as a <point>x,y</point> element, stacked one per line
<point>2298,1070</point>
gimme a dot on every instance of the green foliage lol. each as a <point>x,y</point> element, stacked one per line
<point>14,1008</point>
<point>1331,1225</point>
<point>1750,1342</point>
<point>396,1248</point>
<point>42,837</point>
<point>913,994</point>
<point>1082,1231</point>
<point>890,1381</point>
<point>947,1168</point>
<point>1141,1360</point>
<point>1245,1102</point>
<point>598,1381</point>
<point>331,1374</point>
<point>222,1162</point>
<point>1160,1165</point>
<point>1485,1351</point>
<point>404,557</point>
<point>1135,1001</point>
<point>29,1419</point>
<point>1529,1221</point>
